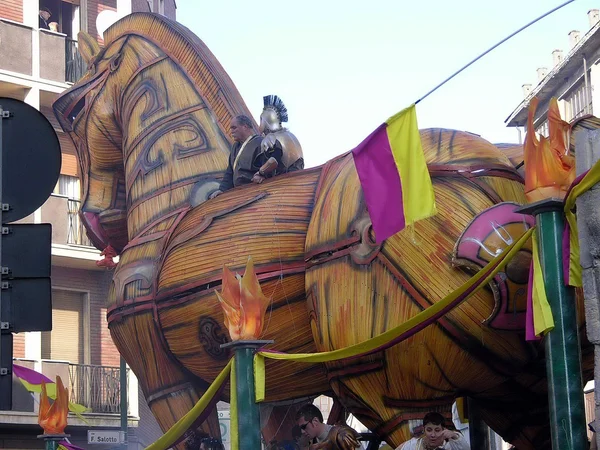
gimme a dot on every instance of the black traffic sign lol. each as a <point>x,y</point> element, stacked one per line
<point>31,159</point>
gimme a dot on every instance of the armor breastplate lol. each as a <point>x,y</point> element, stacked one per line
<point>292,150</point>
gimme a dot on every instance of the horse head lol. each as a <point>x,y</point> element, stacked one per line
<point>150,122</point>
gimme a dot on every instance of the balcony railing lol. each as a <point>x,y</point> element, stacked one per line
<point>76,233</point>
<point>96,387</point>
<point>75,67</point>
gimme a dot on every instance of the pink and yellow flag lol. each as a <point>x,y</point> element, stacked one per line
<point>394,176</point>
<point>32,381</point>
<point>539,319</point>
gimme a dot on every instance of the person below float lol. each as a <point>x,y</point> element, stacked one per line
<point>436,436</point>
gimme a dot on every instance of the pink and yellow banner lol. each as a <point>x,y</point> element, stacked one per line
<point>64,445</point>
<point>393,174</point>
<point>571,263</point>
<point>32,381</point>
<point>539,319</point>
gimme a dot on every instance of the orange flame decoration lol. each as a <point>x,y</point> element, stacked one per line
<point>549,169</point>
<point>53,418</point>
<point>243,303</point>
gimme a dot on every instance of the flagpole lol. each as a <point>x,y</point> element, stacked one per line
<point>492,48</point>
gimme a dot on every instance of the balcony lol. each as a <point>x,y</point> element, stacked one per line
<point>15,47</point>
<point>52,56</point>
<point>58,59</point>
<point>63,214</point>
<point>95,387</point>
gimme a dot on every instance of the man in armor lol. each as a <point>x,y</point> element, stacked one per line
<point>246,158</point>
<point>252,158</point>
<point>276,138</point>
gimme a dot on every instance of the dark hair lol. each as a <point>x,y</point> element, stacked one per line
<point>46,10</point>
<point>309,412</point>
<point>212,444</point>
<point>244,120</point>
<point>434,418</point>
<point>194,439</point>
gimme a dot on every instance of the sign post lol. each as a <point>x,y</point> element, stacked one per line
<point>30,161</point>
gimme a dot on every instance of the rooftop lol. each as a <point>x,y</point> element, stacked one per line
<point>569,70</point>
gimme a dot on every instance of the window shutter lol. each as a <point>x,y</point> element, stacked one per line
<point>65,341</point>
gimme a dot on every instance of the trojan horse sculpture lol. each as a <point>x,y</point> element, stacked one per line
<point>150,122</point>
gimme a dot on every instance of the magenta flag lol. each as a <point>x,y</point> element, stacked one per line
<point>381,183</point>
<point>394,176</point>
<point>29,375</point>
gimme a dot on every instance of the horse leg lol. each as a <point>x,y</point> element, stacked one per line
<point>518,411</point>
<point>169,390</point>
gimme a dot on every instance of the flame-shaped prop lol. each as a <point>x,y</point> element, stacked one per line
<point>53,418</point>
<point>549,169</point>
<point>243,303</point>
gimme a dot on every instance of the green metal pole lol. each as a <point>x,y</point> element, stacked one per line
<point>249,430</point>
<point>51,444</point>
<point>563,356</point>
<point>51,441</point>
<point>123,383</point>
<point>248,410</point>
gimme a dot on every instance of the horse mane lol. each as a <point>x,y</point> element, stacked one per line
<point>193,56</point>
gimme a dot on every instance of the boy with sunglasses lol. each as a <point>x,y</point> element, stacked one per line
<point>310,421</point>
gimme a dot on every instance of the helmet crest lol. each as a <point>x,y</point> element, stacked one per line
<point>276,104</point>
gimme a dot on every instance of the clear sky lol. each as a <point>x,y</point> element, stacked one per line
<point>344,67</point>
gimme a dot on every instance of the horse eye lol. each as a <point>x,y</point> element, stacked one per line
<point>76,109</point>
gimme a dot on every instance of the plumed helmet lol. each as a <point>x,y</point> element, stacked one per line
<point>274,113</point>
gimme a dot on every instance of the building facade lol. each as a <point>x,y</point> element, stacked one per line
<point>572,80</point>
<point>38,61</point>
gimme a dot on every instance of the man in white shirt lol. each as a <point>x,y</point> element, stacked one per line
<point>436,436</point>
<point>310,420</point>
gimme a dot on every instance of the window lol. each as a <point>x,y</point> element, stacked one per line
<point>161,7</point>
<point>577,102</point>
<point>66,341</point>
<point>69,187</point>
<point>325,404</point>
<point>542,130</point>
<point>64,13</point>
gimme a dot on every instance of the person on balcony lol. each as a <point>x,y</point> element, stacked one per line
<point>45,15</point>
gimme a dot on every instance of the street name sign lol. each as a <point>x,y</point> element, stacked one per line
<point>104,437</point>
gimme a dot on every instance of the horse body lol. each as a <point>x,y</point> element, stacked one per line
<point>150,123</point>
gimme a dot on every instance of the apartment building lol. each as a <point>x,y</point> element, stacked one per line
<point>573,79</point>
<point>38,61</point>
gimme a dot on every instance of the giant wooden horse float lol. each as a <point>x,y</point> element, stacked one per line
<point>150,123</point>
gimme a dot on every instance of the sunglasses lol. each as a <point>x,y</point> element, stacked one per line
<point>303,426</point>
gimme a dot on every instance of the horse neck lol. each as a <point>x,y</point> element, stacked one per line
<point>171,148</point>
<point>161,182</point>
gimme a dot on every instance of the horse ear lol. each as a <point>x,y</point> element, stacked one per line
<point>88,46</point>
